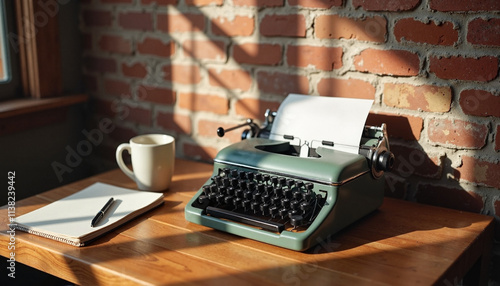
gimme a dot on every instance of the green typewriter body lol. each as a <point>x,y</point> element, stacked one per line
<point>263,190</point>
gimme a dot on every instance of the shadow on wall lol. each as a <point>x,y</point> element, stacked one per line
<point>361,58</point>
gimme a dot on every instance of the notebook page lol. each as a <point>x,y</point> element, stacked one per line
<point>71,216</point>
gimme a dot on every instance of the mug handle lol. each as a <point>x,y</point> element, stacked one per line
<point>119,160</point>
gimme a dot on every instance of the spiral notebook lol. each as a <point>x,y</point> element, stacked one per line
<point>68,219</point>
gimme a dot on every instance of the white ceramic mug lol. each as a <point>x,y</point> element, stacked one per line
<point>153,157</point>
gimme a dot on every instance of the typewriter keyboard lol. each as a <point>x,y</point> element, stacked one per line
<point>265,201</point>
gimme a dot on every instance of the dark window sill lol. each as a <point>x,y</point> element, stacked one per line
<point>22,114</point>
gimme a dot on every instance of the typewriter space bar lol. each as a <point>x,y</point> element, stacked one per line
<point>267,225</point>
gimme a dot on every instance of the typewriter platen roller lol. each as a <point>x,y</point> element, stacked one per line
<point>273,191</point>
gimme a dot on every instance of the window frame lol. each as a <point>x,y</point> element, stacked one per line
<point>39,50</point>
<point>39,99</point>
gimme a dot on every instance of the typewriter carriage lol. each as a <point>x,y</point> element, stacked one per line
<point>374,143</point>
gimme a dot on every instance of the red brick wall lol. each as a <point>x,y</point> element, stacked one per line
<point>185,67</point>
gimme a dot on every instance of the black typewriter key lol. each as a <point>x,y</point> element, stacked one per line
<point>298,195</point>
<point>278,191</point>
<point>305,206</point>
<point>266,177</point>
<point>258,177</point>
<point>246,204</point>
<point>220,198</point>
<point>266,198</point>
<point>308,196</point>
<point>202,199</point>
<point>283,212</point>
<point>257,196</point>
<point>212,196</point>
<point>294,204</point>
<point>273,210</point>
<point>290,183</point>
<point>234,173</point>
<point>291,213</point>
<point>250,176</point>
<point>252,186</point>
<point>264,208</point>
<point>224,172</point>
<point>213,188</point>
<point>282,181</point>
<point>238,193</point>
<point>222,190</point>
<point>268,189</point>
<point>275,200</point>
<point>242,175</point>
<point>218,180</point>
<point>288,193</point>
<point>247,195</point>
<point>234,182</point>
<point>230,191</point>
<point>274,180</point>
<point>285,202</point>
<point>242,184</point>
<point>309,186</point>
<point>296,220</point>
<point>300,184</point>
<point>238,203</point>
<point>206,190</point>
<point>229,200</point>
<point>225,182</point>
<point>254,206</point>
<point>260,188</point>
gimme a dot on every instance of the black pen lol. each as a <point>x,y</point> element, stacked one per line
<point>101,213</point>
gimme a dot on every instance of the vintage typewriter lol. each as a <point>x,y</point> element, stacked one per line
<point>269,189</point>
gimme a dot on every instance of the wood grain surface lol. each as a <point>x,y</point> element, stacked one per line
<point>402,243</point>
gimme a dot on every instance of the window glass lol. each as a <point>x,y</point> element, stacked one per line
<point>10,75</point>
<point>4,58</point>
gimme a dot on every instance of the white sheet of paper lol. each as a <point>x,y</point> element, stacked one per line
<point>314,119</point>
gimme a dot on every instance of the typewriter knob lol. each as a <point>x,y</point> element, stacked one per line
<point>252,132</point>
<point>247,133</point>
<point>385,161</point>
<point>221,132</point>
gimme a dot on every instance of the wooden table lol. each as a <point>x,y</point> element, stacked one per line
<point>402,243</point>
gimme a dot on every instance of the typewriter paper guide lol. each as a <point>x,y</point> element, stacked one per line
<point>314,119</point>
